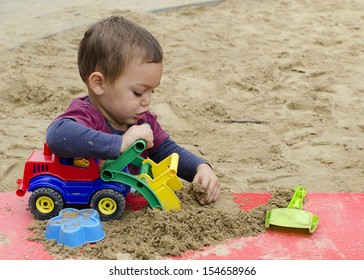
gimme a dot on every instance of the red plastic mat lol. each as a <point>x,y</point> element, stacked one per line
<point>339,236</point>
<point>14,222</point>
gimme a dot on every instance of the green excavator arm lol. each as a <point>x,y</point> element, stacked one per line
<point>153,181</point>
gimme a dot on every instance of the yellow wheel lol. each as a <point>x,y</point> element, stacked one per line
<point>109,203</point>
<point>45,203</point>
<point>107,206</point>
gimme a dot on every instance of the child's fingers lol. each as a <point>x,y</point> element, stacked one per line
<point>147,134</point>
<point>213,191</point>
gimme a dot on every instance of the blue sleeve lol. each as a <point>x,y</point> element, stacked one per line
<point>68,138</point>
<point>188,162</point>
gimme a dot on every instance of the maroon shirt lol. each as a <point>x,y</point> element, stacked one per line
<point>82,111</point>
<point>81,131</point>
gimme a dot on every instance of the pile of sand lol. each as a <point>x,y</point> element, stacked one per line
<point>154,234</point>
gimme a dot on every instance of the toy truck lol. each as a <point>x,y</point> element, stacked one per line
<point>56,182</point>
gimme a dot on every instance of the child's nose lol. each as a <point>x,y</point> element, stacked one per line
<point>146,99</point>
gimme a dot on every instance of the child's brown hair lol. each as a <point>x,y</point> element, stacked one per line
<point>109,45</point>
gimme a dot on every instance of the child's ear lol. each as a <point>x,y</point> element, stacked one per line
<point>96,82</point>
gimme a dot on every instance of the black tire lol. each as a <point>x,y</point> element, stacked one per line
<point>109,203</point>
<point>45,203</point>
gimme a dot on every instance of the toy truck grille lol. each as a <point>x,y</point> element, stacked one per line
<point>40,168</point>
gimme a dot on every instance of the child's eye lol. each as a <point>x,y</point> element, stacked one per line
<point>137,93</point>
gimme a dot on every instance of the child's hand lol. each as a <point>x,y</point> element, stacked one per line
<point>209,183</point>
<point>135,133</point>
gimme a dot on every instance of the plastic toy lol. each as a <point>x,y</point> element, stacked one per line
<point>156,182</point>
<point>74,227</point>
<point>293,216</point>
<point>55,182</point>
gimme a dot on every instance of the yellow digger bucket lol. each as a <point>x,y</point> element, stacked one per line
<point>163,180</point>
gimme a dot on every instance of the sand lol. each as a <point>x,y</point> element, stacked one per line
<point>269,92</point>
<point>153,234</point>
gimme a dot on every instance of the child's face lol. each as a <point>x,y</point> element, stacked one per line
<point>127,100</point>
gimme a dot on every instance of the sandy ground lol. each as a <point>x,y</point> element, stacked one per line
<point>271,93</point>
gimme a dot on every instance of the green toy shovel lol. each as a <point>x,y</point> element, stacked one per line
<point>293,216</point>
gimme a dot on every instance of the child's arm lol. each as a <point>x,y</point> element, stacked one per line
<point>68,138</point>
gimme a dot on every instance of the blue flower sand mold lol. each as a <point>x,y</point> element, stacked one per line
<point>74,227</point>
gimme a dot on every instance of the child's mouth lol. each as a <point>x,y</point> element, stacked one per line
<point>140,116</point>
